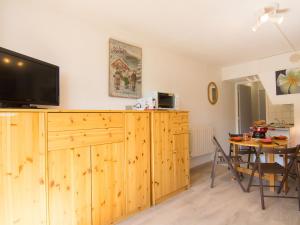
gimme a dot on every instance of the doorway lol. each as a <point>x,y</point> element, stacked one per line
<point>251,104</point>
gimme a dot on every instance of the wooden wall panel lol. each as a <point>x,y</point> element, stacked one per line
<point>70,187</point>
<point>22,169</point>
<point>137,147</point>
<point>108,196</point>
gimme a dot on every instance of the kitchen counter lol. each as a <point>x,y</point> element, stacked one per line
<point>280,128</point>
<point>288,131</point>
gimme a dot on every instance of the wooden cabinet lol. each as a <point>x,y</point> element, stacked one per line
<point>98,165</point>
<point>170,154</point>
<point>22,168</point>
<point>88,167</point>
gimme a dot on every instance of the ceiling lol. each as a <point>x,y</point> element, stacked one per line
<point>214,31</point>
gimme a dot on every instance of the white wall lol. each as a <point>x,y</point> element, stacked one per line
<point>265,69</point>
<point>81,51</point>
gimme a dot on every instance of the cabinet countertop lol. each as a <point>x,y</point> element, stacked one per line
<point>82,110</point>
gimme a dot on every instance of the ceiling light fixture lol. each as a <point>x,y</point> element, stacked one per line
<point>272,14</point>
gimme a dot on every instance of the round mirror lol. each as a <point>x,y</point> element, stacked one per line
<point>213,93</point>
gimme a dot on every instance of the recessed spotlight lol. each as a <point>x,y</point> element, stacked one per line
<point>20,64</point>
<point>6,60</point>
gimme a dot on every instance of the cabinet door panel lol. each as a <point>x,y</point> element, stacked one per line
<point>137,147</point>
<point>22,169</point>
<point>162,165</point>
<point>170,154</point>
<point>70,187</point>
<point>108,197</point>
<point>181,160</point>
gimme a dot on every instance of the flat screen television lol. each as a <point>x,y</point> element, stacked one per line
<point>25,81</point>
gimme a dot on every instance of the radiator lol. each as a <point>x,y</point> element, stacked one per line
<point>201,141</point>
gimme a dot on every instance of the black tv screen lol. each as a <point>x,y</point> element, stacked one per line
<point>25,80</point>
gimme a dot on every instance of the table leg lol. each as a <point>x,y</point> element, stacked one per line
<point>236,155</point>
<point>272,177</point>
<point>235,151</point>
<point>285,163</point>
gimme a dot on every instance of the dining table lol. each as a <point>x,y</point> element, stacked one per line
<point>256,143</point>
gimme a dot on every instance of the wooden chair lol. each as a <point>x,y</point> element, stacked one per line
<point>242,150</point>
<point>220,157</point>
<point>276,169</point>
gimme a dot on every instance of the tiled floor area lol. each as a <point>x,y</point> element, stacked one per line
<point>226,204</point>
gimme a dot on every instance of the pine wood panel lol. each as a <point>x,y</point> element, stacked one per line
<point>170,154</point>
<point>108,196</point>
<point>70,187</point>
<point>22,169</point>
<point>137,147</point>
<point>162,155</point>
<point>180,117</point>
<point>180,128</point>
<point>81,138</point>
<point>181,160</point>
<point>82,121</point>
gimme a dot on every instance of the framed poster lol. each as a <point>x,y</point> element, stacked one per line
<point>287,81</point>
<point>125,70</point>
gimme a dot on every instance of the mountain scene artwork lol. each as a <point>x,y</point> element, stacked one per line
<point>125,70</point>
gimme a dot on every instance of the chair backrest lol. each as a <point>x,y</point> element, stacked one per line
<point>219,147</point>
<point>215,141</point>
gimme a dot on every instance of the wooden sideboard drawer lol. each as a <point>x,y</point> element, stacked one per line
<point>80,138</point>
<point>180,117</point>
<point>180,128</point>
<point>84,121</point>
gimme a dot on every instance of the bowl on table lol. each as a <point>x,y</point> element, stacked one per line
<point>266,141</point>
<point>236,138</point>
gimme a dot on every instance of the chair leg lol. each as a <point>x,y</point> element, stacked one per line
<point>298,182</point>
<point>236,175</point>
<point>213,169</point>
<point>261,189</point>
<point>285,176</point>
<point>230,154</point>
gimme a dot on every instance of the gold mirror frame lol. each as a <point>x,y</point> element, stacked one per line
<point>212,96</point>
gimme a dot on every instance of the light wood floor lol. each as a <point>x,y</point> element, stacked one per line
<point>225,204</point>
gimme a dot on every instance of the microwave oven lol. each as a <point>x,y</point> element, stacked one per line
<point>158,100</point>
<point>165,100</point>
